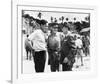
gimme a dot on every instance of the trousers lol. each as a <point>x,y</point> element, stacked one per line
<point>39,61</point>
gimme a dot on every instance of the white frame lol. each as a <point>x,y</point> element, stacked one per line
<point>17,77</point>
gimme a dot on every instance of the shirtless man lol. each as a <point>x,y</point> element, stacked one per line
<point>53,49</point>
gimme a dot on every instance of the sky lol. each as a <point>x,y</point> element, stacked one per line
<point>47,15</point>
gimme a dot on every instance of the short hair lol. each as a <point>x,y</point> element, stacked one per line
<point>66,26</point>
<point>38,21</point>
<point>54,25</point>
<point>31,18</point>
<point>26,16</point>
<point>27,35</point>
<point>43,22</point>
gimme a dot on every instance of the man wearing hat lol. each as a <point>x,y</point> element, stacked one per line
<point>53,49</point>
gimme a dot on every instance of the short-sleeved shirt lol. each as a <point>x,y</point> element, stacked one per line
<point>78,43</point>
<point>38,39</point>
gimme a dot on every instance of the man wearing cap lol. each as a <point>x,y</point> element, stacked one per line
<point>39,45</point>
<point>53,49</point>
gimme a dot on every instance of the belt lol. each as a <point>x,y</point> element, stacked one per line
<point>52,49</point>
<point>40,51</point>
<point>79,48</point>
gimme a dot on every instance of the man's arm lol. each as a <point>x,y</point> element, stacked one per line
<point>32,36</point>
<point>30,39</point>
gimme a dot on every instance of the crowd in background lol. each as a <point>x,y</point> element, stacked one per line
<point>80,31</point>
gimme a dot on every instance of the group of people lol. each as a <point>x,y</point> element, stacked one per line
<point>62,47</point>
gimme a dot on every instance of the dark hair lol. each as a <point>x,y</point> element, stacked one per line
<point>38,21</point>
<point>43,22</point>
<point>27,35</point>
<point>26,16</point>
<point>31,18</point>
<point>66,26</point>
<point>30,23</point>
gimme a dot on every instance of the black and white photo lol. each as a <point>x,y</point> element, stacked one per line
<point>52,42</point>
<point>55,41</point>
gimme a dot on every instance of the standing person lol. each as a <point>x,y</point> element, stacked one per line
<point>53,49</point>
<point>28,48</point>
<point>67,51</point>
<point>87,46</point>
<point>66,31</point>
<point>39,45</point>
<point>79,46</point>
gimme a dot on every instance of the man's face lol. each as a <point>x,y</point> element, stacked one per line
<point>54,30</point>
<point>27,20</point>
<point>44,28</point>
<point>34,24</point>
<point>65,30</point>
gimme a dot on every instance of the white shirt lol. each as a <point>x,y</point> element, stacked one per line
<point>65,35</point>
<point>58,36</point>
<point>38,39</point>
<point>78,43</point>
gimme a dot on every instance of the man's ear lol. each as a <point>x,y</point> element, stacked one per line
<point>37,26</point>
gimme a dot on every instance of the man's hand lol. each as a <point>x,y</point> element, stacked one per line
<point>65,60</point>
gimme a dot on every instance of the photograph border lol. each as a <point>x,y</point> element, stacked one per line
<point>41,11</point>
<point>12,56</point>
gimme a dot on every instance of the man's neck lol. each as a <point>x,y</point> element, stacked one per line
<point>53,34</point>
<point>65,33</point>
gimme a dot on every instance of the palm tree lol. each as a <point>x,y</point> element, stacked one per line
<point>62,18</point>
<point>39,15</point>
<point>86,18</point>
<point>74,19</point>
<point>67,19</point>
<point>55,20</point>
<point>89,19</point>
<point>59,19</point>
<point>51,19</point>
<point>22,13</point>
